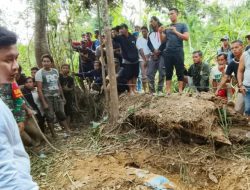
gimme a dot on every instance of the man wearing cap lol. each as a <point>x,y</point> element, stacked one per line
<point>225,48</point>
<point>248,42</point>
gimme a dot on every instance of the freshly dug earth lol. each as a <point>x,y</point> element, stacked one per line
<point>197,116</point>
<point>92,162</point>
<point>98,158</point>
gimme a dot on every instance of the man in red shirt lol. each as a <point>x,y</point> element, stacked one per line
<point>89,41</point>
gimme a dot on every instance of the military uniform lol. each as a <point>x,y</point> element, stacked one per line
<point>14,103</point>
<point>200,75</point>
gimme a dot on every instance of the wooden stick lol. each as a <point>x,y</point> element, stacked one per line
<point>44,137</point>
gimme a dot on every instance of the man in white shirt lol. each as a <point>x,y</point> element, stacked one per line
<point>156,61</point>
<point>14,161</point>
<point>144,51</point>
<point>244,80</point>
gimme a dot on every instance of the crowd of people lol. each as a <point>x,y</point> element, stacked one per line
<point>46,95</point>
<point>141,54</point>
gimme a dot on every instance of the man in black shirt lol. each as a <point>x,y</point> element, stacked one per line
<point>174,54</point>
<point>116,46</point>
<point>67,83</point>
<point>237,49</point>
<point>130,57</point>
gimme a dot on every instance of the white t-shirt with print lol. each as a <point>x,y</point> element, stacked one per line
<point>50,81</point>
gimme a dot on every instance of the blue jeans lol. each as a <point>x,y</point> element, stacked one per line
<point>247,101</point>
<point>139,82</point>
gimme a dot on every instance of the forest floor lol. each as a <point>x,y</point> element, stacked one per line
<point>109,157</point>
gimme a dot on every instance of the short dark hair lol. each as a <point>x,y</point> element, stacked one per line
<point>47,56</point>
<point>124,26</point>
<point>7,38</point>
<point>116,28</point>
<point>199,52</point>
<point>65,65</point>
<point>27,78</point>
<point>89,33</point>
<point>144,28</point>
<point>174,9</point>
<point>222,54</point>
<point>34,68</point>
<point>96,31</point>
<point>237,41</point>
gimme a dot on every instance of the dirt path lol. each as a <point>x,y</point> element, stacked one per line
<point>91,161</point>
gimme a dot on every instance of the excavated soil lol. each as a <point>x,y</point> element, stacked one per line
<point>99,158</point>
<point>194,115</point>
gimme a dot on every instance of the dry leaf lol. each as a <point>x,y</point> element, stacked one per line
<point>212,177</point>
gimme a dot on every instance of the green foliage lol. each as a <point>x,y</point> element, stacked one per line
<point>67,19</point>
<point>224,122</point>
<point>116,16</point>
<point>26,57</point>
<point>207,23</point>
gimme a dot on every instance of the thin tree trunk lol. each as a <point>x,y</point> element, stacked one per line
<point>113,104</point>
<point>41,41</point>
<point>102,56</point>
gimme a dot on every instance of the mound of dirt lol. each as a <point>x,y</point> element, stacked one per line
<point>197,116</point>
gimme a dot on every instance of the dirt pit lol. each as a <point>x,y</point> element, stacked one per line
<point>88,162</point>
<point>100,158</point>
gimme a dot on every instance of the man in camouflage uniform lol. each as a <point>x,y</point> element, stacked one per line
<point>199,72</point>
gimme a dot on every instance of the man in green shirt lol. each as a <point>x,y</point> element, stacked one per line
<point>199,72</point>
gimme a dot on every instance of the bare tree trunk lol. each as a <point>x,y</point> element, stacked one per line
<point>113,104</point>
<point>41,41</point>
<point>102,56</point>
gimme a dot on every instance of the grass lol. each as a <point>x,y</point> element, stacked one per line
<point>225,122</point>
